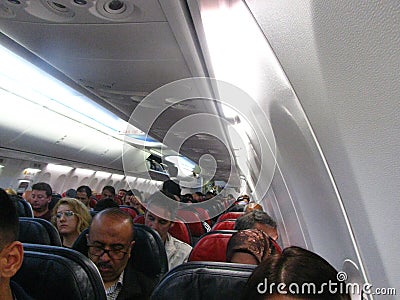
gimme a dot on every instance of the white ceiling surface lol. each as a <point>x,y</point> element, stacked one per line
<point>342,59</point>
<point>118,60</point>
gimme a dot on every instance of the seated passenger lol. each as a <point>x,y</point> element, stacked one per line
<point>159,215</point>
<point>11,251</point>
<point>110,241</point>
<point>104,204</point>
<point>133,199</point>
<point>251,246</point>
<point>84,194</point>
<point>40,199</point>
<point>295,274</point>
<point>71,217</point>
<point>252,206</point>
<point>259,220</point>
<point>108,192</point>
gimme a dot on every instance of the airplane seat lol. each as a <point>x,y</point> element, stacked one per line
<point>227,224</point>
<point>139,219</point>
<point>211,246</point>
<point>50,272</point>
<point>236,208</point>
<point>38,231</point>
<point>196,228</point>
<point>203,214</point>
<point>220,281</point>
<point>130,210</point>
<point>181,231</point>
<point>230,215</point>
<point>148,254</point>
<point>24,209</point>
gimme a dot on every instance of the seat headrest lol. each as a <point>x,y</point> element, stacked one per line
<point>224,225</point>
<point>38,231</point>
<point>212,246</point>
<point>58,273</point>
<point>220,281</point>
<point>24,209</point>
<point>230,215</point>
<point>148,254</point>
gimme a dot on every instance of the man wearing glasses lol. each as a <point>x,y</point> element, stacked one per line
<point>110,241</point>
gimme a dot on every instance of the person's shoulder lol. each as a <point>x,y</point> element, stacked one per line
<point>180,244</point>
<point>19,292</point>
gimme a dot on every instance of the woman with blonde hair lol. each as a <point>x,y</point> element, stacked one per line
<point>71,217</point>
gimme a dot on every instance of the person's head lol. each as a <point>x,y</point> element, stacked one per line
<point>83,193</point>
<point>104,204</point>
<point>252,206</point>
<point>251,246</point>
<point>108,192</point>
<point>160,214</point>
<point>291,271</point>
<point>70,193</point>
<point>133,200</point>
<point>11,250</point>
<point>198,196</point>
<point>173,188</point>
<point>110,241</point>
<point>242,200</point>
<point>70,216</point>
<point>40,197</point>
<point>259,220</point>
<point>209,195</point>
<point>122,194</point>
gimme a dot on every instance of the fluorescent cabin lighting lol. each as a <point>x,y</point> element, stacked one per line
<point>103,174</point>
<point>83,172</point>
<point>23,79</point>
<point>58,168</point>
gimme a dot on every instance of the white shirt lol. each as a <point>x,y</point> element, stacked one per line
<point>113,291</point>
<point>177,251</point>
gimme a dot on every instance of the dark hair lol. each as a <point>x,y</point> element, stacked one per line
<point>172,187</point>
<point>109,188</point>
<point>9,224</point>
<point>115,213</point>
<point>43,186</point>
<point>104,204</point>
<point>296,272</point>
<point>248,220</point>
<point>85,189</point>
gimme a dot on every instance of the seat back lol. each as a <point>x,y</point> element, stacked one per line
<point>219,281</point>
<point>230,215</point>
<point>203,214</point>
<point>181,231</point>
<point>192,220</point>
<point>50,272</point>
<point>139,219</point>
<point>130,210</point>
<point>148,254</point>
<point>38,231</point>
<point>227,224</point>
<point>24,209</point>
<point>212,246</point>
